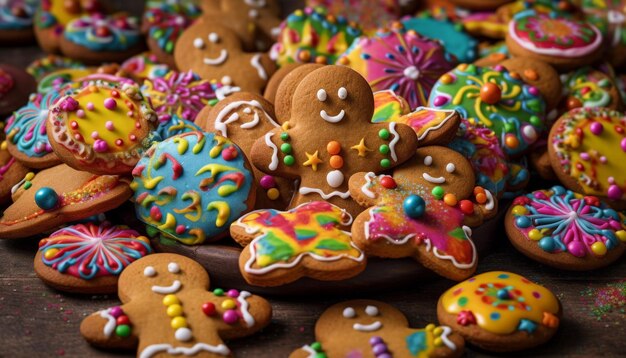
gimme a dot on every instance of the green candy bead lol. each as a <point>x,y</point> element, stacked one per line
<point>27,184</point>
<point>385,163</point>
<point>317,346</point>
<point>383,149</point>
<point>123,330</point>
<point>535,121</point>
<point>289,160</point>
<point>508,127</point>
<point>383,134</point>
<point>218,292</point>
<point>284,136</point>
<point>438,192</point>
<point>285,148</point>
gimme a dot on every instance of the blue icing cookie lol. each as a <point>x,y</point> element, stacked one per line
<point>100,33</point>
<point>452,36</point>
<point>26,129</point>
<point>17,14</point>
<point>174,126</point>
<point>192,186</point>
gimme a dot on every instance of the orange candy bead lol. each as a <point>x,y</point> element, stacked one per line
<point>333,147</point>
<point>336,162</point>
<point>490,93</point>
<point>450,199</point>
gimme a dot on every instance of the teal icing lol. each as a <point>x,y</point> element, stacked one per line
<point>123,32</point>
<point>175,125</point>
<point>455,40</point>
<point>9,20</point>
<point>416,343</point>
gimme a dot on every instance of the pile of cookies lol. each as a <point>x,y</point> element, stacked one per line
<point>313,141</point>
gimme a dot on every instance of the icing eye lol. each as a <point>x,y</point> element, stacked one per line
<point>213,37</point>
<point>149,271</point>
<point>342,93</point>
<point>321,95</point>
<point>198,43</point>
<point>349,312</point>
<point>450,168</point>
<point>371,310</point>
<point>247,110</point>
<point>173,267</point>
<point>428,161</point>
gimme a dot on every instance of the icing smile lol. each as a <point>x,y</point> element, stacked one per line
<point>367,327</point>
<point>434,180</point>
<point>173,288</point>
<point>332,119</point>
<point>218,60</point>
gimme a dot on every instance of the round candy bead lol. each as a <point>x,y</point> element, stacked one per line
<point>333,147</point>
<point>503,294</point>
<point>228,304</point>
<point>174,310</point>
<point>535,235</point>
<point>267,182</point>
<point>230,317</point>
<point>598,248</point>
<point>388,182</point>
<point>490,93</point>
<point>385,163</point>
<point>438,192</point>
<point>273,194</point>
<point>621,235</point>
<point>336,162</point>
<point>218,292</point>
<point>519,210</point>
<point>289,160</point>
<point>208,308</point>
<point>116,311</point>
<point>123,319</point>
<point>232,293</point>
<point>467,207</point>
<point>46,198</point>
<point>450,199</point>
<point>178,322</point>
<point>383,134</point>
<point>170,300</point>
<point>414,206</point>
<point>123,330</point>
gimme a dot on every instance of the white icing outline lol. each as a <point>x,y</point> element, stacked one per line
<point>431,179</point>
<point>332,119</point>
<point>218,60</point>
<point>304,190</point>
<point>221,125</point>
<point>307,348</point>
<point>164,290</point>
<point>153,349</point>
<point>444,337</point>
<point>109,327</point>
<point>367,327</point>
<point>256,63</point>
<point>274,162</point>
<point>451,113</point>
<point>490,202</point>
<point>570,52</point>
<point>394,141</point>
<point>244,305</point>
<point>368,181</point>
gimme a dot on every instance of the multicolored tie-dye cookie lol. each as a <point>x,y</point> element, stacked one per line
<point>495,98</point>
<point>399,60</point>
<point>88,258</point>
<point>192,186</point>
<point>500,311</point>
<point>588,87</point>
<point>144,66</point>
<point>566,230</point>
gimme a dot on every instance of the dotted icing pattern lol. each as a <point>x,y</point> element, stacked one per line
<point>192,186</point>
<point>51,63</point>
<point>399,60</point>
<point>311,35</point>
<point>440,227</point>
<point>496,99</point>
<point>609,17</point>
<point>26,129</point>
<point>369,14</point>
<point>167,21</point>
<point>17,14</point>
<point>560,220</point>
<point>89,251</point>
<point>145,66</point>
<point>587,87</point>
<point>100,33</point>
<point>313,229</point>
<point>589,144</point>
<point>453,38</point>
<point>502,303</point>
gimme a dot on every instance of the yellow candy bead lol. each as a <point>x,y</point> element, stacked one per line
<point>29,176</point>
<point>178,322</point>
<point>175,310</point>
<point>621,235</point>
<point>438,331</point>
<point>446,79</point>
<point>170,300</point>
<point>430,327</point>
<point>273,194</point>
<point>438,342</point>
<point>50,253</point>
<point>519,210</point>
<point>535,235</point>
<point>599,248</point>
<point>228,304</point>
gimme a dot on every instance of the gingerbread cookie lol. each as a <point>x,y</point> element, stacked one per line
<point>311,240</point>
<point>214,52</point>
<point>103,128</point>
<point>276,79</point>
<point>27,139</point>
<point>586,148</point>
<point>144,66</point>
<point>44,66</point>
<point>88,258</point>
<point>336,104</point>
<point>15,87</point>
<point>192,186</point>
<point>167,310</point>
<point>11,172</point>
<point>98,38</point>
<point>367,328</point>
<point>286,88</point>
<point>538,74</point>
<point>498,99</point>
<point>500,311</point>
<point>313,35</point>
<point>609,17</point>
<point>243,118</point>
<point>565,229</point>
<point>401,61</point>
<point>48,199</point>
<point>563,42</point>
<point>588,87</point>
<point>369,14</point>
<point>16,21</point>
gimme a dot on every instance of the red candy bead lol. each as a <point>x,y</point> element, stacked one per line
<point>490,93</point>
<point>467,207</point>
<point>208,308</point>
<point>388,182</point>
<point>122,320</point>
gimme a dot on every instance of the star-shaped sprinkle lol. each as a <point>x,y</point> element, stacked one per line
<point>361,148</point>
<point>312,160</point>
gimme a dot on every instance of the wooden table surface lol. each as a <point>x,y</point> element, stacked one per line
<point>37,321</point>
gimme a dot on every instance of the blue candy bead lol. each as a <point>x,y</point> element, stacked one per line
<point>414,206</point>
<point>46,198</point>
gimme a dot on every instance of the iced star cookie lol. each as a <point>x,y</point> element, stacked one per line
<point>192,186</point>
<point>565,229</point>
<point>103,128</point>
<point>214,52</point>
<point>399,60</point>
<point>144,66</point>
<point>88,258</point>
<point>586,148</point>
<point>369,14</point>
<point>11,172</point>
<point>368,328</point>
<point>496,98</point>
<point>313,35</point>
<point>15,87</point>
<point>166,310</point>
<point>311,240</point>
<point>243,118</point>
<point>336,104</point>
<point>588,87</point>
<point>57,195</point>
<point>16,21</point>
<point>98,38</point>
<point>563,42</point>
<point>500,311</point>
<point>609,16</point>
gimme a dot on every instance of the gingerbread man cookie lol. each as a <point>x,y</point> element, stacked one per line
<point>336,104</point>
<point>500,311</point>
<point>166,310</point>
<point>368,328</point>
<point>310,240</point>
<point>214,52</point>
<point>58,195</point>
<point>244,117</point>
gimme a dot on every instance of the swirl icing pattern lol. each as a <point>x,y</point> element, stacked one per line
<point>104,33</point>
<point>587,87</point>
<point>87,250</point>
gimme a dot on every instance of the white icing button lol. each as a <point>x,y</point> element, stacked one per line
<point>371,310</point>
<point>342,93</point>
<point>428,161</point>
<point>198,43</point>
<point>253,14</point>
<point>334,178</point>
<point>183,334</point>
<point>226,80</point>
<point>173,267</point>
<point>247,110</point>
<point>213,37</point>
<point>149,271</point>
<point>349,312</point>
<point>321,95</point>
<point>450,168</point>
<point>411,73</point>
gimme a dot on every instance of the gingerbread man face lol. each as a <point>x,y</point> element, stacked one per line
<point>215,53</point>
<point>444,168</point>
